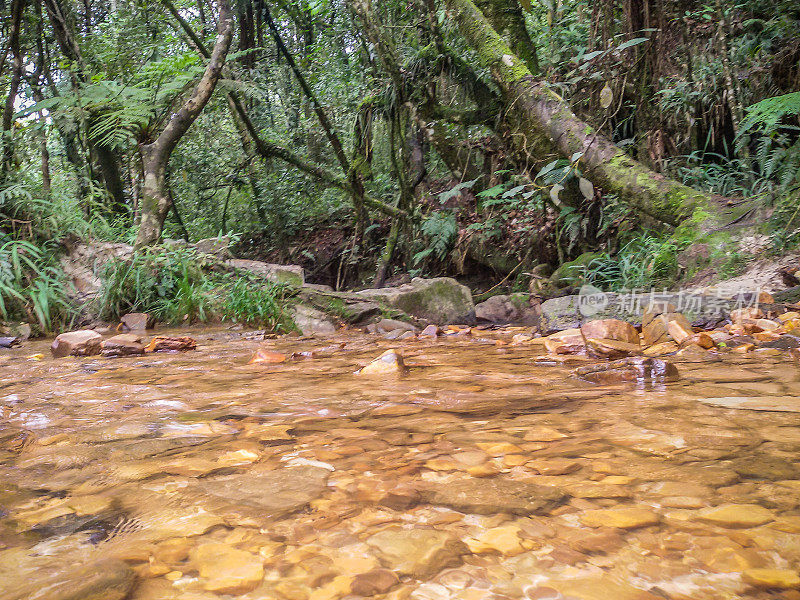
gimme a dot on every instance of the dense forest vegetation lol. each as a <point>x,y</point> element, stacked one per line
<point>372,139</point>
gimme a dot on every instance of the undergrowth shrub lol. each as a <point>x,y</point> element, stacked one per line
<point>33,286</point>
<point>645,261</point>
<point>262,304</point>
<point>172,284</point>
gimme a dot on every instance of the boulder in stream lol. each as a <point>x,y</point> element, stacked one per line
<point>517,309</point>
<point>137,321</point>
<point>388,363</point>
<point>124,344</point>
<point>84,342</point>
<point>441,300</point>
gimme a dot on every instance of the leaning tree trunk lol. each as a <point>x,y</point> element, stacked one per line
<point>542,124</point>
<point>155,156</point>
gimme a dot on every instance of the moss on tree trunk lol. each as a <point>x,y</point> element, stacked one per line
<point>542,125</point>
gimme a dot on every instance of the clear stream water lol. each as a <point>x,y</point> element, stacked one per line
<point>197,476</point>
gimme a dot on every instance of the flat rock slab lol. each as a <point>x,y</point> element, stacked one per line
<point>272,494</point>
<point>492,496</point>
<point>417,552</point>
<point>106,579</point>
<point>768,403</point>
<point>291,274</point>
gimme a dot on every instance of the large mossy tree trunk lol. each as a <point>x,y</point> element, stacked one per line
<point>542,125</point>
<point>155,155</point>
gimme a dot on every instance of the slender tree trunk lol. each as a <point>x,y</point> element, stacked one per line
<point>155,156</point>
<point>356,184</point>
<point>17,7</point>
<point>268,150</point>
<point>46,185</point>
<point>542,125</point>
<point>110,177</point>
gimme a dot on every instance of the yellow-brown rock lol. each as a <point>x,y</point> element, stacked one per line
<point>679,332</point>
<point>654,326</point>
<point>782,579</point>
<point>388,363</point>
<point>569,341</point>
<point>268,357</point>
<point>611,348</point>
<point>227,570</point>
<point>736,515</point>
<point>610,329</point>
<point>622,518</point>
<point>504,539</point>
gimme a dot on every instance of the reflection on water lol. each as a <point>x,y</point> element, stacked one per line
<point>480,474</point>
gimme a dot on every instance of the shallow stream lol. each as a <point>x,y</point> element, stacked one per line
<point>480,474</point>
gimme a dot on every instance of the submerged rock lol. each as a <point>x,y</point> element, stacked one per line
<point>102,580</point>
<point>632,369</point>
<point>492,496</point>
<point>270,494</point>
<point>765,403</point>
<point>417,552</point>
<point>736,515</point>
<point>227,570</point>
<point>441,300</point>
<point>374,582</point>
<point>622,518</point>
<point>779,579</point>
<point>76,343</point>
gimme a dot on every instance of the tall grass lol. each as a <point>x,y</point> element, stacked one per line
<point>172,284</point>
<point>260,304</point>
<point>645,261</point>
<point>33,286</point>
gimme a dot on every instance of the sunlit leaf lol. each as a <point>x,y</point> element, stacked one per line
<point>633,42</point>
<point>546,169</point>
<point>554,193</point>
<point>606,96</point>
<point>587,189</point>
<point>513,191</point>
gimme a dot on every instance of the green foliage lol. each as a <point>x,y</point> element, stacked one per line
<point>769,112</point>
<point>645,261</point>
<point>32,286</point>
<point>174,286</point>
<point>166,282</point>
<point>260,304</point>
<point>441,230</point>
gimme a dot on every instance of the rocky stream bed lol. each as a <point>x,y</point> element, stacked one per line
<point>463,464</point>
